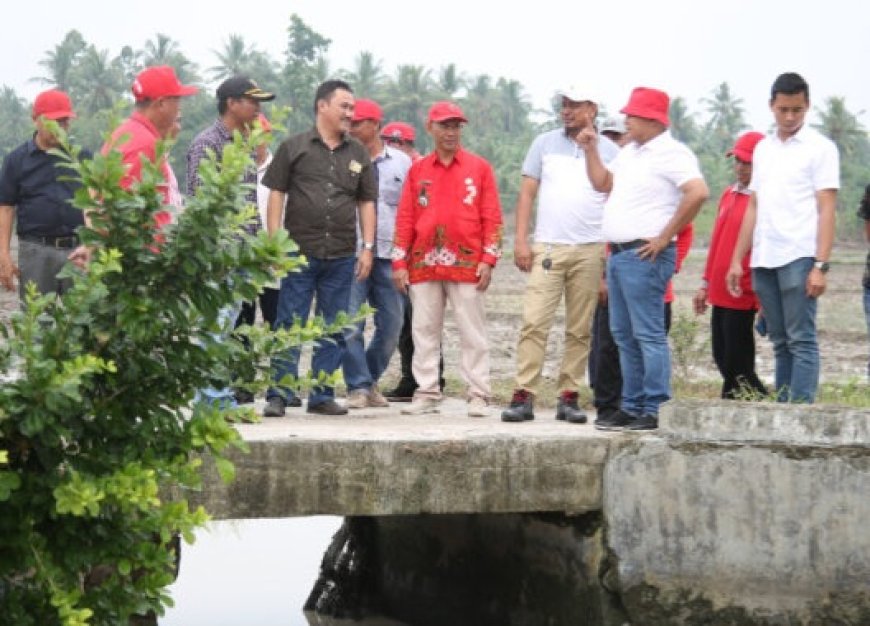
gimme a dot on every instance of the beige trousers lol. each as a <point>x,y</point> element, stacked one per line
<point>575,271</point>
<point>429,300</point>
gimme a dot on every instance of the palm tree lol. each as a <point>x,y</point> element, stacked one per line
<point>449,80</point>
<point>683,126</point>
<point>98,80</point>
<point>841,126</point>
<point>14,120</point>
<point>163,50</point>
<point>409,94</point>
<point>367,77</point>
<point>726,117</point>
<point>60,62</point>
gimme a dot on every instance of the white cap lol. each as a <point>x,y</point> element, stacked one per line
<point>614,125</point>
<point>577,93</point>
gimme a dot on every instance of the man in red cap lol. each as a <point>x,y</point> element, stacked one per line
<point>656,189</point>
<point>363,366</point>
<point>401,135</point>
<point>789,224</point>
<point>733,317</point>
<point>448,239</point>
<point>156,116</point>
<point>35,188</point>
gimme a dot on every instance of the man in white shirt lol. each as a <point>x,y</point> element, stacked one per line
<point>567,256</point>
<point>656,189</point>
<point>789,223</point>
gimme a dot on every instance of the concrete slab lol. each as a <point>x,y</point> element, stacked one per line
<point>379,462</point>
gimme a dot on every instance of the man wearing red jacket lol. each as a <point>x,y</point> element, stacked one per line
<point>733,316</point>
<point>447,240</point>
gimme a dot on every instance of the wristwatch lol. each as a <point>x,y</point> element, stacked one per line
<point>368,245</point>
<point>822,266</point>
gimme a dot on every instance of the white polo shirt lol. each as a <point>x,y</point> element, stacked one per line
<point>569,209</point>
<point>786,175</point>
<point>646,187</point>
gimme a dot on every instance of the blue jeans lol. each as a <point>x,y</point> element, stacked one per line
<point>791,326</point>
<point>637,321</point>
<point>363,367</point>
<point>329,280</point>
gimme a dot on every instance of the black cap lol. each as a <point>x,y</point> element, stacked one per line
<point>242,87</point>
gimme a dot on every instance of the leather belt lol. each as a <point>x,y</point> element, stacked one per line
<point>64,241</point>
<point>627,245</point>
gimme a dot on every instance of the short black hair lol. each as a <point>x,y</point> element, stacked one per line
<point>789,84</point>
<point>327,88</point>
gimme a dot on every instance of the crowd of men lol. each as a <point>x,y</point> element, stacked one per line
<point>612,205</point>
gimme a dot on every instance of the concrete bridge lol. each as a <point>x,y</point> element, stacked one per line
<point>732,513</point>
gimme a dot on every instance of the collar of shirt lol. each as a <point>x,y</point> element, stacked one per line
<point>655,143</point>
<point>457,158</point>
<point>222,130</point>
<point>265,164</point>
<point>799,136</point>
<point>738,188</point>
<point>138,118</point>
<point>316,138</point>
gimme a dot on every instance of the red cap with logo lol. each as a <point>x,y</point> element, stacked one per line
<point>399,130</point>
<point>159,81</point>
<point>364,109</point>
<point>744,147</point>
<point>52,105</point>
<point>444,110</point>
<point>650,104</point>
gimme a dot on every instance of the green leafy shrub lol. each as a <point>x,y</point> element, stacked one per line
<point>95,417</point>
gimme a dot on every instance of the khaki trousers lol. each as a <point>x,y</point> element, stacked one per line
<point>429,300</point>
<point>576,272</point>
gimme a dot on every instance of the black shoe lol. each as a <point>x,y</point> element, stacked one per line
<point>404,392</point>
<point>274,407</point>
<point>328,407</point>
<point>644,422</point>
<point>616,420</point>
<point>294,402</point>
<point>243,396</point>
<point>567,409</point>
<point>521,408</point>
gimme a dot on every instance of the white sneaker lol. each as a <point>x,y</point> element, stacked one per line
<point>422,406</point>
<point>377,399</point>
<point>358,399</point>
<point>477,407</point>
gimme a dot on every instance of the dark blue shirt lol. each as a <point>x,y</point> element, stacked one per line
<point>35,183</point>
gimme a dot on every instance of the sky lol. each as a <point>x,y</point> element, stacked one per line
<point>685,47</point>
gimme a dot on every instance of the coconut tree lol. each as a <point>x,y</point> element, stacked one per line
<point>98,81</point>
<point>163,50</point>
<point>60,62</point>
<point>367,76</point>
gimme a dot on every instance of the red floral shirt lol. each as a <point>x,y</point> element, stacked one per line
<point>449,219</point>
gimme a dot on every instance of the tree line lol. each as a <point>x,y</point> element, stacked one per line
<point>503,120</point>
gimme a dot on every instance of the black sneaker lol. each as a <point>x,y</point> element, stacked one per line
<point>567,409</point>
<point>294,402</point>
<point>274,407</point>
<point>404,392</point>
<point>644,422</point>
<point>617,420</point>
<point>243,396</point>
<point>329,407</point>
<point>521,408</point>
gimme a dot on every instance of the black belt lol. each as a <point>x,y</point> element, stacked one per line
<point>627,245</point>
<point>63,241</point>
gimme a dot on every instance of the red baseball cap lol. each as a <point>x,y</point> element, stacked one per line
<point>650,104</point>
<point>744,147</point>
<point>399,130</point>
<point>367,110</point>
<point>159,81</point>
<point>52,105</point>
<point>444,110</point>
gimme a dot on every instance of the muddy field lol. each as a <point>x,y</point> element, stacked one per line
<point>844,343</point>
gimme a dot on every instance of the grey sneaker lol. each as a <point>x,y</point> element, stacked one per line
<point>422,406</point>
<point>377,399</point>
<point>358,399</point>
<point>274,407</point>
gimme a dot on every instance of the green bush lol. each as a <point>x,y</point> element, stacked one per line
<point>95,417</point>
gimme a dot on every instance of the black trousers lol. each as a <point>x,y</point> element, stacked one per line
<point>268,307</point>
<point>605,377</point>
<point>734,352</point>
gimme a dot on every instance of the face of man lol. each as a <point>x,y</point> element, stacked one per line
<point>641,129</point>
<point>243,110</point>
<point>789,112</point>
<point>167,116</point>
<point>615,137</point>
<point>45,139</point>
<point>365,130</point>
<point>446,135</point>
<point>336,113</point>
<point>743,172</point>
<point>575,115</point>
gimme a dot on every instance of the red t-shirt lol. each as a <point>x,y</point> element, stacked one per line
<point>448,220</point>
<point>732,207</point>
<point>684,244</point>
<point>142,137</point>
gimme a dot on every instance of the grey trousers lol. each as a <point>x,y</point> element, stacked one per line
<point>41,264</point>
